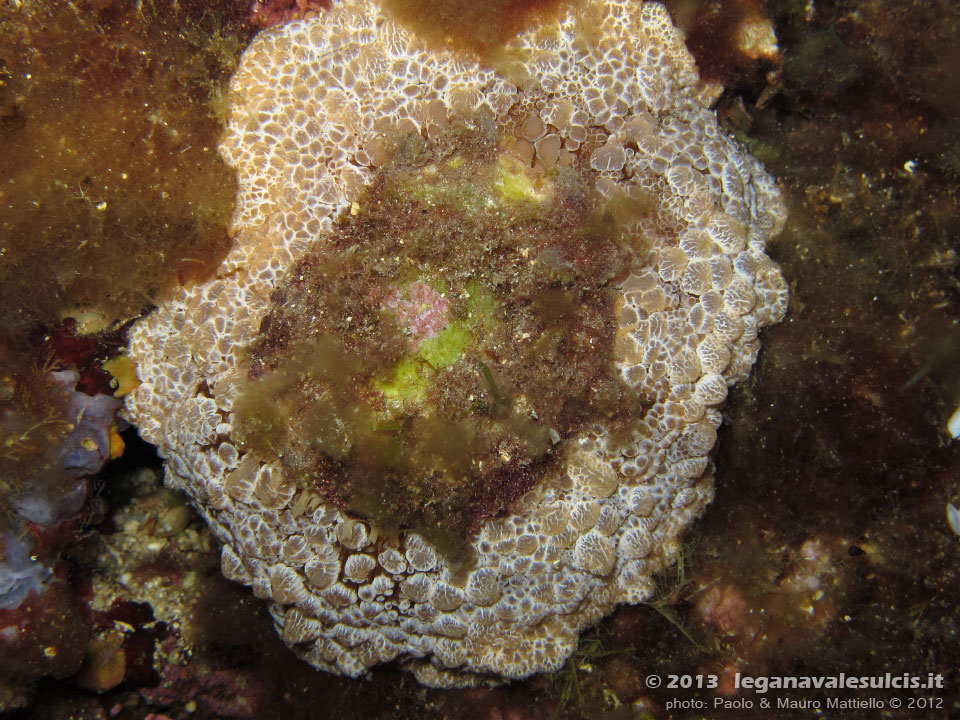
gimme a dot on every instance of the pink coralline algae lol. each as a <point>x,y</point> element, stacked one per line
<point>267,13</point>
<point>753,619</point>
<point>227,693</point>
<point>46,633</point>
<point>421,310</point>
<point>724,608</point>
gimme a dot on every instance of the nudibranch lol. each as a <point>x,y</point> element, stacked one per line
<point>452,395</point>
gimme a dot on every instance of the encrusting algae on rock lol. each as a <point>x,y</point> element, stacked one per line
<point>451,396</point>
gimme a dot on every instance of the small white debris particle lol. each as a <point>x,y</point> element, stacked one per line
<point>953,424</point>
<point>953,517</point>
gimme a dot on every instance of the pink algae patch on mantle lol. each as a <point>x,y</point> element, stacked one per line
<point>267,13</point>
<point>421,310</point>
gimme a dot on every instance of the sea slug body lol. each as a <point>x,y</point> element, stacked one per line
<point>591,132</point>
